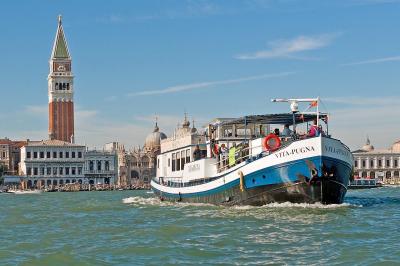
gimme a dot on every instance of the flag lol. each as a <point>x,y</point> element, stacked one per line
<point>314,104</point>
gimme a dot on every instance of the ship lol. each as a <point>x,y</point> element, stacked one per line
<point>247,160</point>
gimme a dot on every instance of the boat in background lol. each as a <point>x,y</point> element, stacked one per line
<point>364,183</point>
<point>242,161</point>
<point>20,192</point>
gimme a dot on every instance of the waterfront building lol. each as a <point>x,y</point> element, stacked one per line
<point>140,162</point>
<point>119,150</point>
<point>52,162</point>
<point>10,155</point>
<point>61,90</point>
<point>383,164</point>
<point>101,167</point>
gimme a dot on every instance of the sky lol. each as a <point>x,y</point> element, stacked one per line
<point>137,60</point>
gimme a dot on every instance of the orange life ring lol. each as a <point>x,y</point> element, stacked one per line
<point>271,142</point>
<point>216,149</point>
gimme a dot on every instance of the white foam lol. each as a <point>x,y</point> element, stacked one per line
<point>144,201</point>
<point>156,201</point>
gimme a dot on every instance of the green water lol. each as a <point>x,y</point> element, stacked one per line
<point>132,228</point>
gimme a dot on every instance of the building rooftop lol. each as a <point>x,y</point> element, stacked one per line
<point>52,142</point>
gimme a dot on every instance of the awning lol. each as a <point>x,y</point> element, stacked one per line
<point>280,119</point>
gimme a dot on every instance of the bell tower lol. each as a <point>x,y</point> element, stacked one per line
<point>61,89</point>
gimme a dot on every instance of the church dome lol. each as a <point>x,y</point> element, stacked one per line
<point>368,146</point>
<point>153,139</point>
<point>396,147</point>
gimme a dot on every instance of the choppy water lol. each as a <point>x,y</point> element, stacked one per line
<point>132,228</point>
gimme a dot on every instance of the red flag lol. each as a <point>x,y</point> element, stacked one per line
<point>314,103</point>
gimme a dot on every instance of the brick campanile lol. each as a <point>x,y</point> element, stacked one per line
<point>61,90</point>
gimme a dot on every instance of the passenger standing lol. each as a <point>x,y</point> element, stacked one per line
<point>314,130</point>
<point>224,154</point>
<point>286,132</point>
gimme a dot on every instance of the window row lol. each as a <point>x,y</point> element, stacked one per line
<point>54,154</point>
<point>62,86</point>
<point>380,163</point>
<point>179,159</point>
<point>372,175</point>
<point>51,171</point>
<point>98,165</point>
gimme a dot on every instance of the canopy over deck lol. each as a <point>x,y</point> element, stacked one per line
<point>281,119</point>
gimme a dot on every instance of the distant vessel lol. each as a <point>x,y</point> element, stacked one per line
<point>239,162</point>
<point>362,183</point>
<point>19,192</point>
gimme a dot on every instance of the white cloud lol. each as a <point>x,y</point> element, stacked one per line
<point>362,116</point>
<point>37,110</point>
<point>288,48</point>
<point>366,101</point>
<point>199,85</point>
<point>374,61</point>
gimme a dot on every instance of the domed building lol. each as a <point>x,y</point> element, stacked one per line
<point>378,163</point>
<point>396,147</point>
<point>141,162</point>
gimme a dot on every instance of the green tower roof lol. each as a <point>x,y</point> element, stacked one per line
<point>60,48</point>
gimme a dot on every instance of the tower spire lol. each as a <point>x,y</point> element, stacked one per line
<point>61,89</point>
<point>60,47</point>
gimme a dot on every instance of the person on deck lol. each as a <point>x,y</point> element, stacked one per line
<point>224,154</point>
<point>197,153</point>
<point>314,130</point>
<point>286,132</point>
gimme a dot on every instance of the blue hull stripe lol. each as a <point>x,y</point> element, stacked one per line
<point>277,174</point>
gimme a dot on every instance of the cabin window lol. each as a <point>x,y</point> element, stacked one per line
<point>188,156</point>
<point>178,161</point>
<point>228,132</point>
<point>173,161</point>
<point>182,159</point>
